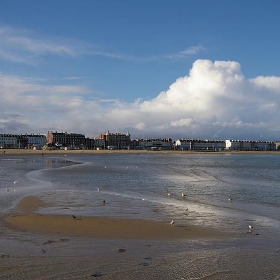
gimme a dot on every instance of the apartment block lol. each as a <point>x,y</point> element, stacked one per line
<point>66,140</point>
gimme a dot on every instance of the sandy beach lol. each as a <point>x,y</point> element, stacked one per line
<point>57,246</point>
<point>93,247</point>
<point>106,248</point>
<point>25,218</point>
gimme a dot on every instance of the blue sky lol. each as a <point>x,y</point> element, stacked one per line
<point>179,69</point>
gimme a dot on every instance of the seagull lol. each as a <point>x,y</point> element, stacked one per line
<point>98,189</point>
<point>230,199</point>
<point>172,223</point>
<point>169,194</point>
<point>16,181</point>
<point>183,195</point>
<point>250,229</point>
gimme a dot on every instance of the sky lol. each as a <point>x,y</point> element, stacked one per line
<point>180,69</point>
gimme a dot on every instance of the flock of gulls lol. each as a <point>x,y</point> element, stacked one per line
<point>172,223</point>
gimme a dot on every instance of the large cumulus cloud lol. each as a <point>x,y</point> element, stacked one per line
<point>214,101</point>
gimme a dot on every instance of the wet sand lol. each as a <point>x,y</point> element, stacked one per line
<point>35,246</point>
<point>25,218</point>
<point>60,247</point>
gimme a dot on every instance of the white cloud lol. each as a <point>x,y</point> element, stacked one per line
<point>214,100</point>
<point>181,122</point>
<point>185,53</point>
<point>270,83</point>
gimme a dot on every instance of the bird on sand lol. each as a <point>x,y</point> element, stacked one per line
<point>250,228</point>
<point>172,223</point>
<point>74,217</point>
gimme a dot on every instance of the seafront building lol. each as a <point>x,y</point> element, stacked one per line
<point>9,141</point>
<point>25,141</point>
<point>66,140</point>
<point>152,144</point>
<point>244,145</point>
<point>33,141</point>
<point>201,145</point>
<point>116,140</point>
<point>110,140</point>
<point>221,145</point>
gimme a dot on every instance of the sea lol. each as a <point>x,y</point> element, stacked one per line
<point>224,191</point>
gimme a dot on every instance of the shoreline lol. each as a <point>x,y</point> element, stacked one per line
<point>96,152</point>
<point>25,218</point>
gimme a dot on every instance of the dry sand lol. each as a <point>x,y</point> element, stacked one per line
<point>25,218</point>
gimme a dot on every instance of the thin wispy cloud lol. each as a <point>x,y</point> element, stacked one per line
<point>74,78</point>
<point>22,46</point>
<point>13,56</point>
<point>39,46</point>
<point>194,50</point>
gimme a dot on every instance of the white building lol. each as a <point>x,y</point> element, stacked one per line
<point>245,145</point>
<point>15,141</point>
<point>35,141</point>
<point>154,144</point>
<point>183,144</point>
<point>200,145</point>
